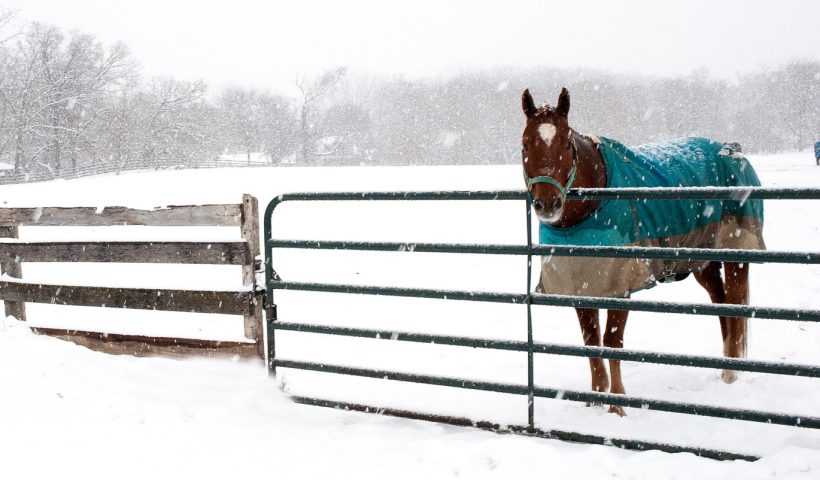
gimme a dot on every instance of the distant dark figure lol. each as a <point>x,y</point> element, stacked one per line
<point>817,152</point>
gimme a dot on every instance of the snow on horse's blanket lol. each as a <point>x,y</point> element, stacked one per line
<point>655,223</point>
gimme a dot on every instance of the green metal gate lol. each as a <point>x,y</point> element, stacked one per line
<point>529,298</point>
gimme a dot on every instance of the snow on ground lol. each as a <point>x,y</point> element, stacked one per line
<point>64,409</point>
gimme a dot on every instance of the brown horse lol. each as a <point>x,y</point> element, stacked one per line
<point>556,158</point>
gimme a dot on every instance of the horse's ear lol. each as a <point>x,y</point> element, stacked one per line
<point>563,102</point>
<point>527,104</point>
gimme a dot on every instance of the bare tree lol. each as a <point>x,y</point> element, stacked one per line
<point>52,91</point>
<point>255,121</point>
<point>175,123</point>
<point>311,90</point>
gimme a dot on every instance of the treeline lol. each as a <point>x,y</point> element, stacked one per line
<point>69,103</point>
<point>477,118</point>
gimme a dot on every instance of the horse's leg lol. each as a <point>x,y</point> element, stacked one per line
<point>709,279</point>
<point>588,318</point>
<point>737,292</point>
<point>734,290</point>
<point>614,337</point>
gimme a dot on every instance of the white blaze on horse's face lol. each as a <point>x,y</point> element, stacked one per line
<point>547,133</point>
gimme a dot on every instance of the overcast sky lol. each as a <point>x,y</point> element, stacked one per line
<point>270,43</point>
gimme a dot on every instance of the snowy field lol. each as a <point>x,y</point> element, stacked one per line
<point>68,410</point>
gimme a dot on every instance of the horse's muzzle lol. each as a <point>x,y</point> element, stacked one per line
<point>548,210</point>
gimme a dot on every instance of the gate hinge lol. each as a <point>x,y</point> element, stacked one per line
<point>271,313</point>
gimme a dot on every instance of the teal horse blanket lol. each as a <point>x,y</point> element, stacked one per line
<point>655,223</point>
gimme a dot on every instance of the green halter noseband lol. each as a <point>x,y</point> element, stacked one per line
<point>563,189</point>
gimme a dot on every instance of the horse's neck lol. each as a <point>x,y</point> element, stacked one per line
<point>591,167</point>
<point>590,173</point>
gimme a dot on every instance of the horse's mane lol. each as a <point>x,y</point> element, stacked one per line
<point>544,109</point>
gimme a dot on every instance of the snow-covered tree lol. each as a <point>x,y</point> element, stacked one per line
<point>255,121</point>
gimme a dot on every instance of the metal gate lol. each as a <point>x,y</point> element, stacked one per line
<point>529,298</point>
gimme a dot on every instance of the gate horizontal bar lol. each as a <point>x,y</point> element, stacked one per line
<point>636,193</point>
<point>552,434</point>
<point>561,394</point>
<point>426,196</point>
<point>678,254</point>
<point>695,193</point>
<point>779,368</point>
<point>560,301</point>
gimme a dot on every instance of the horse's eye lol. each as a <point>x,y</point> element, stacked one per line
<point>524,147</point>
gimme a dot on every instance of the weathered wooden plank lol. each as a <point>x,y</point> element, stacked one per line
<point>210,253</point>
<point>143,346</point>
<point>182,215</point>
<point>199,301</point>
<point>250,233</point>
<point>13,269</point>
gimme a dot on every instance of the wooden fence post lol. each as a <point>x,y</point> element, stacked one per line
<point>250,233</point>
<point>12,268</point>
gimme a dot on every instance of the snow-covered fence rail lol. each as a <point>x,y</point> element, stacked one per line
<point>9,176</point>
<point>15,291</point>
<point>529,298</point>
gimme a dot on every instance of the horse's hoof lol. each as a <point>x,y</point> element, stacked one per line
<point>617,409</point>
<point>728,376</point>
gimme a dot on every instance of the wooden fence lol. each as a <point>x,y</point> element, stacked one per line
<point>15,291</point>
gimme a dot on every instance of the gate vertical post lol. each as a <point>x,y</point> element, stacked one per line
<point>12,268</point>
<point>530,366</point>
<point>270,276</point>
<point>250,233</point>
<point>271,353</point>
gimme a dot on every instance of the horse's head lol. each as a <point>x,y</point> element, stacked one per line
<point>549,156</point>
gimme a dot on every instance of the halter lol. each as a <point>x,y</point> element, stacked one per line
<point>562,189</point>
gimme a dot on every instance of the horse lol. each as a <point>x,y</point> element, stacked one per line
<point>556,158</point>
